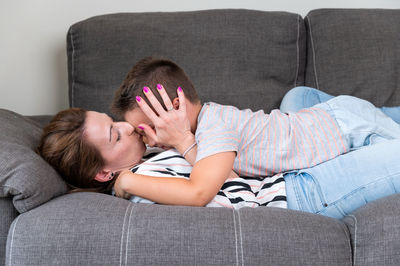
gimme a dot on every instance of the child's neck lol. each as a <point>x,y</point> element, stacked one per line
<point>193,111</point>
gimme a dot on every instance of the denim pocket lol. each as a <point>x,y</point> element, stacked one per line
<point>309,192</point>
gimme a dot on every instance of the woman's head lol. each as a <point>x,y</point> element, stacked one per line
<point>88,147</point>
<point>118,143</point>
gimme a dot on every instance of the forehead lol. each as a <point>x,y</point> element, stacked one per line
<point>97,126</point>
<point>97,119</point>
<point>136,116</point>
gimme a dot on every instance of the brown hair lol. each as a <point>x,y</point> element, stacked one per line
<point>64,147</point>
<point>149,72</point>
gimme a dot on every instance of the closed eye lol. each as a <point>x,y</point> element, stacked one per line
<point>118,136</point>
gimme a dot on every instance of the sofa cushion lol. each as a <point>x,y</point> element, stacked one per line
<point>107,230</point>
<point>8,214</point>
<point>41,120</point>
<point>24,175</point>
<point>245,58</point>
<point>375,232</point>
<point>355,52</point>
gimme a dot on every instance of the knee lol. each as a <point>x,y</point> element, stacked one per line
<point>298,91</point>
<point>293,100</point>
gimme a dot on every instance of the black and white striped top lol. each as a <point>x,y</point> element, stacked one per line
<point>235,193</point>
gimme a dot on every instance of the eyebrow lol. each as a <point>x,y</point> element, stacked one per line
<point>110,133</point>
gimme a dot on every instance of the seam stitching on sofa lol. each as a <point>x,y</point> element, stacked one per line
<point>127,236</point>
<point>122,236</point>
<point>355,239</point>
<point>12,238</point>
<point>241,238</point>
<point>72,68</point>
<point>236,246</point>
<point>298,50</point>
<point>313,53</point>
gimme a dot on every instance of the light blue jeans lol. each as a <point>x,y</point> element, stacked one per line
<point>338,187</point>
<point>303,97</point>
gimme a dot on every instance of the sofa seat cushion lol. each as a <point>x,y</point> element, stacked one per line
<point>355,52</point>
<point>24,175</point>
<point>113,231</point>
<point>375,232</point>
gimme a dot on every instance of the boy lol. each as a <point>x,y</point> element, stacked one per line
<point>216,138</point>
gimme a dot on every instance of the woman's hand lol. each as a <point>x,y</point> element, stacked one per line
<point>171,127</point>
<point>120,184</point>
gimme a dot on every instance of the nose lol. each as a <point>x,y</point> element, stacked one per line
<point>126,128</point>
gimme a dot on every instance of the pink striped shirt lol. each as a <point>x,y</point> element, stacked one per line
<point>266,144</point>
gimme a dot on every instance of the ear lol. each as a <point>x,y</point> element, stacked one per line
<point>175,103</point>
<point>103,176</point>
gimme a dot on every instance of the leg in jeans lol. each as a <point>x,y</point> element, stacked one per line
<point>339,186</point>
<point>303,97</point>
<point>392,112</point>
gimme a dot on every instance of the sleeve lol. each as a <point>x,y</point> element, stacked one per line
<point>214,135</point>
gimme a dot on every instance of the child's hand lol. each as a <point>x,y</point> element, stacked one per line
<point>120,184</point>
<point>172,127</point>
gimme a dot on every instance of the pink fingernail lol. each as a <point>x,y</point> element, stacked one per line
<point>138,98</point>
<point>146,89</point>
<point>180,89</point>
<point>142,128</point>
<point>159,86</point>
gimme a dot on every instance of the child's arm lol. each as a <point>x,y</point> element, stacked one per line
<point>191,158</point>
<point>206,179</point>
<point>173,131</point>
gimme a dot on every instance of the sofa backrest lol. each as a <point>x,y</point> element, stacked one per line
<point>244,58</point>
<point>356,52</point>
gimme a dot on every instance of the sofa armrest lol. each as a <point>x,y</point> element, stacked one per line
<point>8,214</point>
<point>41,120</point>
<point>92,228</point>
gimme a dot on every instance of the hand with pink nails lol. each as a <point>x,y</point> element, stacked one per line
<point>171,124</point>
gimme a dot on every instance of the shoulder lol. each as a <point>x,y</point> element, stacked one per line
<point>215,116</point>
<point>216,111</point>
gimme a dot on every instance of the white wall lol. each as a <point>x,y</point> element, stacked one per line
<point>33,68</point>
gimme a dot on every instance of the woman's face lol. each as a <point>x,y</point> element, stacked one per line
<point>118,143</point>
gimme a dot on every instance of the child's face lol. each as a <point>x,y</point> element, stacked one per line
<point>136,117</point>
<point>118,143</point>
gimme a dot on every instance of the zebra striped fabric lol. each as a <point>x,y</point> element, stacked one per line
<point>235,193</point>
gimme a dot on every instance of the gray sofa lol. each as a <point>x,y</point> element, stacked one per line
<point>245,58</point>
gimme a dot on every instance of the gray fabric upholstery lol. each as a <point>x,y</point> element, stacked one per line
<point>272,236</point>
<point>41,120</point>
<point>7,215</point>
<point>70,230</point>
<point>24,175</point>
<point>375,232</point>
<point>236,57</point>
<point>240,57</point>
<point>355,52</point>
<point>113,231</point>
